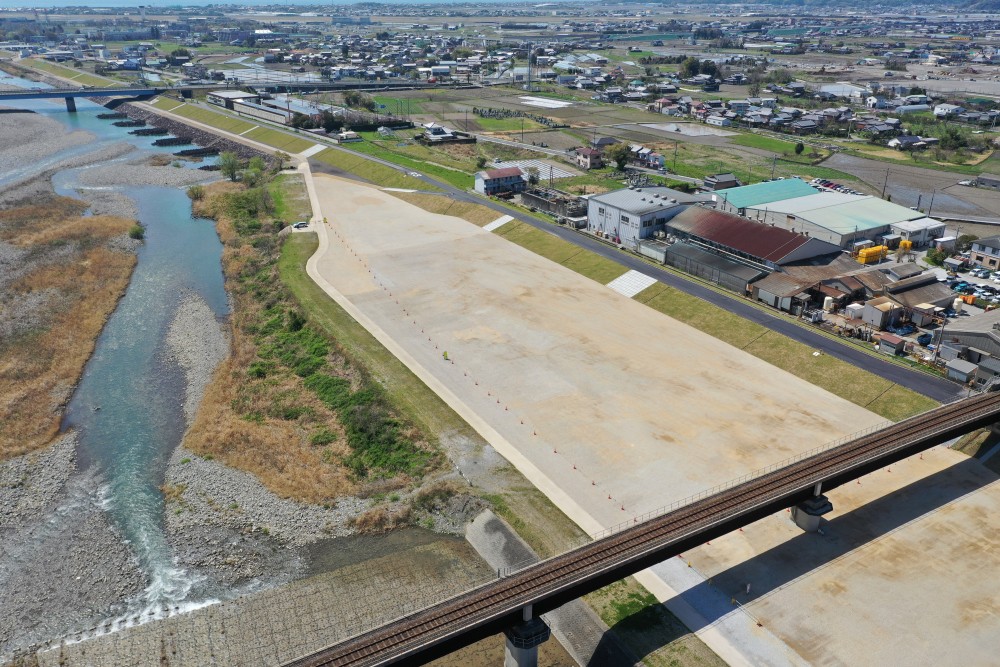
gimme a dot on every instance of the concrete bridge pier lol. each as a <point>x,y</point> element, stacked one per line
<point>523,640</point>
<point>71,104</point>
<point>808,513</point>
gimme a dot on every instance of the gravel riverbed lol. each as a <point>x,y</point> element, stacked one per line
<point>65,571</point>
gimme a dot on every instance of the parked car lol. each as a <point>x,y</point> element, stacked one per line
<point>925,339</point>
<point>903,329</point>
<point>300,225</point>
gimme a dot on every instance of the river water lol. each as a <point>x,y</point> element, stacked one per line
<point>128,406</point>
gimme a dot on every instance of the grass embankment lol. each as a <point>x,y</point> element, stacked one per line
<point>477,214</point>
<point>562,252</point>
<point>423,160</point>
<point>648,629</point>
<point>543,526</point>
<point>373,172</point>
<point>858,386</point>
<point>290,405</point>
<point>73,74</point>
<point>272,137</point>
<point>60,294</point>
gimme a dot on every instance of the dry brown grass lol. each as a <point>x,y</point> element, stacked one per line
<point>477,214</point>
<point>381,520</point>
<point>70,258</point>
<point>274,448</point>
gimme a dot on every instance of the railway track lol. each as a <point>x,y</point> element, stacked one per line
<point>406,637</point>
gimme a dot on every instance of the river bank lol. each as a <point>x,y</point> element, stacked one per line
<point>65,568</point>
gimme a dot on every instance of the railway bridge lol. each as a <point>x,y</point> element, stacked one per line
<point>512,603</point>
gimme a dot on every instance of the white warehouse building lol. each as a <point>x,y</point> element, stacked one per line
<point>631,214</point>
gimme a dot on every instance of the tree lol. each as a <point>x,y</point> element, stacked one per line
<point>753,89</point>
<point>257,163</point>
<point>480,162</point>
<point>799,147</point>
<point>533,176</point>
<point>229,165</point>
<point>178,53</point>
<point>964,242</point>
<point>619,154</point>
<point>689,68</point>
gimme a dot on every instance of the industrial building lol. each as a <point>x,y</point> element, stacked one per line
<point>758,195</point>
<point>226,98</point>
<point>747,240</point>
<point>631,214</point>
<point>834,217</point>
<point>261,112</point>
<point>845,220</point>
<point>721,270</point>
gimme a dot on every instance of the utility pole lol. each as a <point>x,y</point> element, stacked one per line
<point>774,162</point>
<point>676,143</point>
<point>885,182</point>
<point>930,206</point>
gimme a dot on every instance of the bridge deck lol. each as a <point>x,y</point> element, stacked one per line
<point>550,583</point>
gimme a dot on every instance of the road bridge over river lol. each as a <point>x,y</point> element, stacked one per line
<point>511,601</point>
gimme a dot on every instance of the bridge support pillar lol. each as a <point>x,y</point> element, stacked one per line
<point>807,514</point>
<point>71,104</point>
<point>523,640</point>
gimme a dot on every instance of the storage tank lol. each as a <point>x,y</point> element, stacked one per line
<point>828,303</point>
<point>956,305</point>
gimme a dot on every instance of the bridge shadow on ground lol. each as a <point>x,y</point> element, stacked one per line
<point>805,553</point>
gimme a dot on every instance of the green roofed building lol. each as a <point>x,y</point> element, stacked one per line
<point>737,200</point>
<point>845,219</point>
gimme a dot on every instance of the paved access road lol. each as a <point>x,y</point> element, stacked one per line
<point>931,386</point>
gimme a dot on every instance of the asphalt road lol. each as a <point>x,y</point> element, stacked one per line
<point>933,387</point>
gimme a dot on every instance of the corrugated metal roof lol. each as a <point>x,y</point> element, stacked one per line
<point>647,200</point>
<point>753,238</point>
<point>719,262</point>
<point>763,193</point>
<point>781,284</point>
<point>859,213</point>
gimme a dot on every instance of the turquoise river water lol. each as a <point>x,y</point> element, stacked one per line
<point>128,406</point>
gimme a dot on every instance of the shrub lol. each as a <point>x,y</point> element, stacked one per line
<point>137,232</point>
<point>324,436</point>
<point>196,192</point>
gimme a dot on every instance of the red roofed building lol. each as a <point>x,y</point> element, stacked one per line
<point>497,181</point>
<point>757,242</point>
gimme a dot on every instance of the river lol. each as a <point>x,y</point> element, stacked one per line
<point>128,408</point>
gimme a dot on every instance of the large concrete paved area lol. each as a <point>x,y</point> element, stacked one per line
<point>618,400</point>
<point>647,409</point>
<point>902,573</point>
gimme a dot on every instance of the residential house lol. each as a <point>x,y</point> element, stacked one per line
<point>498,181</point>
<point>986,252</point>
<point>589,158</point>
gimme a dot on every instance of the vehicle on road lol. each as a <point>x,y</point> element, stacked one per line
<point>300,225</point>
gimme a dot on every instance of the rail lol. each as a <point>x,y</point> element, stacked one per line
<point>627,550</point>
